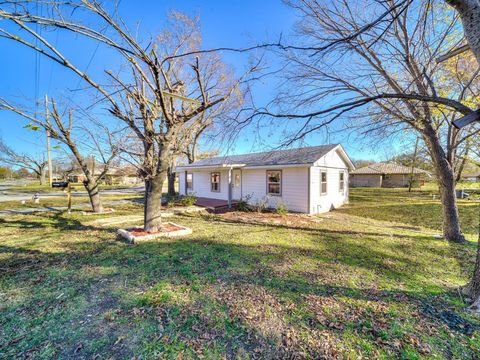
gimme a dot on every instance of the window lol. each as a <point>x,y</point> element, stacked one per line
<point>342,182</point>
<point>274,182</point>
<point>189,180</point>
<point>237,180</point>
<point>215,181</point>
<point>323,182</point>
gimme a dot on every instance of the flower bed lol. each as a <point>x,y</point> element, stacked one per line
<point>169,229</point>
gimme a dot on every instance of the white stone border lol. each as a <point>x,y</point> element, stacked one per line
<point>125,234</point>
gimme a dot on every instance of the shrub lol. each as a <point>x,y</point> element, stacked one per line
<point>282,208</point>
<point>262,204</point>
<point>171,200</point>
<point>188,200</point>
<point>243,205</point>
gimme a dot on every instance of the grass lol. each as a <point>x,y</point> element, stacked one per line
<point>347,285</point>
<point>36,187</point>
<point>418,208</point>
<point>61,201</point>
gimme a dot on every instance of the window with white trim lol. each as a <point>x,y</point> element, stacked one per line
<point>274,182</point>
<point>341,185</point>
<point>215,181</point>
<point>323,182</point>
<point>189,181</point>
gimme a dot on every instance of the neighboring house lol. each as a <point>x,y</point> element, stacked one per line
<point>118,176</point>
<point>310,180</point>
<point>471,177</point>
<point>387,175</point>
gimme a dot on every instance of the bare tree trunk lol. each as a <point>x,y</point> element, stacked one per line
<point>414,161</point>
<point>42,177</point>
<point>94,195</point>
<point>446,184</point>
<point>472,289</point>
<point>469,11</point>
<point>153,202</point>
<point>171,181</point>
<point>458,176</point>
<point>451,219</point>
<point>463,162</point>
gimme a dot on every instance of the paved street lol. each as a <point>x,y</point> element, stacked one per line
<point>6,194</point>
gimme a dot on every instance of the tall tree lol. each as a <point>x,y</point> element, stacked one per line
<point>384,80</point>
<point>142,95</point>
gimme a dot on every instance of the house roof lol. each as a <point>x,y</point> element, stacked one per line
<point>387,168</point>
<point>298,156</point>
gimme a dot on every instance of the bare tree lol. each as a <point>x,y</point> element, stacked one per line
<point>36,164</point>
<point>89,135</point>
<point>387,73</point>
<point>144,98</point>
<point>384,81</point>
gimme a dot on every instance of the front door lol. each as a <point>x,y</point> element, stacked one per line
<point>236,185</point>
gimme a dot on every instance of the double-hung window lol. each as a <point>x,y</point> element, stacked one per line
<point>341,185</point>
<point>323,182</point>
<point>215,181</point>
<point>274,182</point>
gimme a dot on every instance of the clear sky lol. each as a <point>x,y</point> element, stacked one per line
<point>231,23</point>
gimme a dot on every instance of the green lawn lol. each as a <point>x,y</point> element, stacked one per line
<point>62,201</point>
<point>346,284</point>
<point>417,209</point>
<point>36,187</point>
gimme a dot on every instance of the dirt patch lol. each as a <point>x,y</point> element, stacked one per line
<point>134,235</point>
<point>291,220</point>
<point>166,228</point>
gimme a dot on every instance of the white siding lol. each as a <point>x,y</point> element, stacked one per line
<point>294,188</point>
<point>333,164</point>
<point>181,182</point>
<point>201,184</point>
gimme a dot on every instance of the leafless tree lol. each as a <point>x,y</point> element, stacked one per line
<point>36,164</point>
<point>144,98</point>
<point>184,33</point>
<point>86,135</point>
<point>385,79</point>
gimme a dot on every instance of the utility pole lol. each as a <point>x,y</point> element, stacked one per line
<point>49,155</point>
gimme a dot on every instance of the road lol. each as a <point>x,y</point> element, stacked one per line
<point>9,195</point>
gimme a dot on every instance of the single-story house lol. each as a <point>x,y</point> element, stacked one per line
<point>471,177</point>
<point>115,176</point>
<point>387,175</point>
<point>310,180</point>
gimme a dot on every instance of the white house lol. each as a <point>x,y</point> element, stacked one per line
<point>310,180</point>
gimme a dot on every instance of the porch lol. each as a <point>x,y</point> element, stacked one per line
<point>214,204</point>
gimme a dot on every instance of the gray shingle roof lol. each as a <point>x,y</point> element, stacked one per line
<point>387,168</point>
<point>306,155</point>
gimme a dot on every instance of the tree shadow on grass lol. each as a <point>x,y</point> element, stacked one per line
<point>219,263</point>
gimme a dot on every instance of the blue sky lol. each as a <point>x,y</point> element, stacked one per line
<point>224,23</point>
